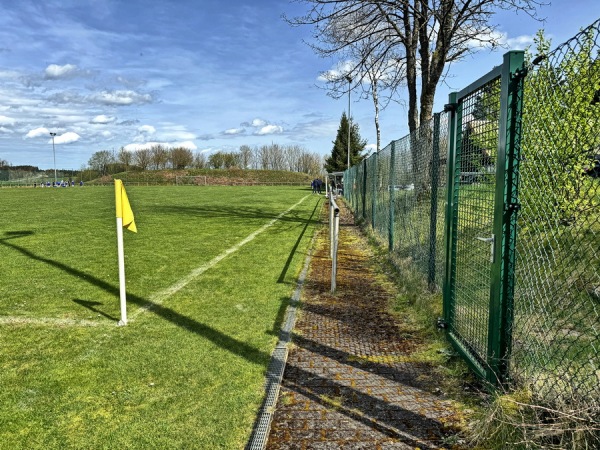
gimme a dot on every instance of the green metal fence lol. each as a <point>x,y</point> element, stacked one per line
<point>556,345</point>
<point>497,202</point>
<point>400,193</point>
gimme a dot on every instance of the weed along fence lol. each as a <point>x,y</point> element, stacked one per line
<point>496,201</point>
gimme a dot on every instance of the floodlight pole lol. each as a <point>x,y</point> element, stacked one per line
<point>54,154</point>
<point>349,78</point>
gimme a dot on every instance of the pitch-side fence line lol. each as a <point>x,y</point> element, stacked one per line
<point>496,200</point>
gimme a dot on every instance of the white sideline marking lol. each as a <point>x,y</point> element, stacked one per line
<point>16,320</point>
<point>159,297</point>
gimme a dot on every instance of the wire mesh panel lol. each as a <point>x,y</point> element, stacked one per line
<point>412,195</point>
<point>439,184</point>
<point>556,345</point>
<point>351,189</point>
<point>382,192</point>
<point>369,177</point>
<point>474,189</point>
<point>516,168</point>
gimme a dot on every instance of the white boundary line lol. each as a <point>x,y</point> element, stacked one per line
<point>17,320</point>
<point>159,297</point>
<point>155,299</point>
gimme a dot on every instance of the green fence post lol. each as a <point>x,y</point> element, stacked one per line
<point>505,218</point>
<point>435,164</point>
<point>392,188</point>
<point>451,210</point>
<point>364,189</point>
<point>374,193</point>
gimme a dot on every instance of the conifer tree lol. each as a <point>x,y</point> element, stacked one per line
<point>338,161</point>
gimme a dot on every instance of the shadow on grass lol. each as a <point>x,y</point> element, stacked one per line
<point>91,305</point>
<point>286,266</point>
<point>308,384</point>
<point>225,211</point>
<point>220,339</point>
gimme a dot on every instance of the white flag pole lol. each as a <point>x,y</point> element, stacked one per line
<point>122,292</point>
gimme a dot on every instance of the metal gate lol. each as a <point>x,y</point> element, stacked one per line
<point>482,204</point>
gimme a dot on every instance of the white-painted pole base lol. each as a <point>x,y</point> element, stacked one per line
<point>121,257</point>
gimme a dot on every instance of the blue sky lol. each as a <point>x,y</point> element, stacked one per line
<point>209,75</point>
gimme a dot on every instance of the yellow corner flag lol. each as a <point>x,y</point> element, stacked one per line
<point>123,207</point>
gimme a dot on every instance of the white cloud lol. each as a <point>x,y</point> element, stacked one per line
<point>136,147</point>
<point>498,38</point>
<point>37,132</point>
<point>54,71</point>
<point>149,129</point>
<point>258,123</point>
<point>186,144</point>
<point>233,131</point>
<point>9,75</point>
<point>178,135</point>
<point>122,98</point>
<point>340,70</point>
<point>269,129</point>
<point>172,132</point>
<point>519,42</point>
<point>101,119</point>
<point>370,148</point>
<point>66,138</point>
<point>4,120</point>
<point>148,145</point>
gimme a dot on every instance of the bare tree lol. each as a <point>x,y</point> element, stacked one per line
<point>159,156</point>
<point>181,157</point>
<point>292,155</point>
<point>124,157</point>
<point>375,70</point>
<point>142,158</point>
<point>245,157</point>
<point>100,161</point>
<point>311,163</point>
<point>216,160</point>
<point>200,161</point>
<point>276,157</point>
<point>256,158</point>
<point>423,36</point>
<point>224,160</point>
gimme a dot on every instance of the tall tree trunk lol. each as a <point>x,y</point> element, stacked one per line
<point>375,96</point>
<point>411,43</point>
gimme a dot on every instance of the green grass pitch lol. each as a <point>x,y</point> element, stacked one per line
<point>188,370</point>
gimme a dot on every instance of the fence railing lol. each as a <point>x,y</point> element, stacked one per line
<point>496,201</point>
<point>334,234</point>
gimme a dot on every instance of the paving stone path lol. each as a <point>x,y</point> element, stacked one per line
<point>347,384</point>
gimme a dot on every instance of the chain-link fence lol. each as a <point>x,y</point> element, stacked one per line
<point>519,186</point>
<point>556,345</point>
<point>400,191</point>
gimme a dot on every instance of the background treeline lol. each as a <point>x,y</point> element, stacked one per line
<point>292,158</point>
